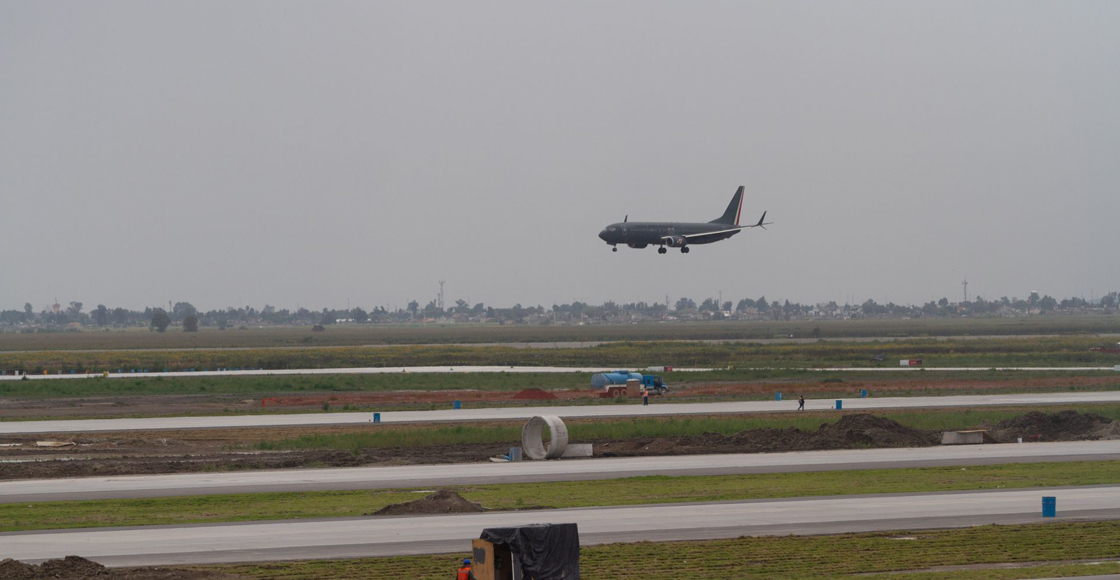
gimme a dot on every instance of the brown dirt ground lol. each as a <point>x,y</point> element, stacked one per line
<point>183,451</point>
<point>850,431</point>
<point>75,567</point>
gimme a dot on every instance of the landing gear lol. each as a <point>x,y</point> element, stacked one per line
<point>661,250</point>
<point>684,250</point>
<point>614,248</point>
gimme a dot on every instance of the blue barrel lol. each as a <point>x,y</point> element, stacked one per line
<point>863,393</point>
<point>515,454</point>
<point>1049,507</point>
<point>839,404</point>
<point>779,397</point>
<point>458,404</point>
<point>377,417</point>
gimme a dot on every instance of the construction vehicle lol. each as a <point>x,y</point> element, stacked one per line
<point>614,383</point>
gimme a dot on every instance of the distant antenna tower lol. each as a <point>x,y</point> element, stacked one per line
<point>441,282</point>
<point>965,284</point>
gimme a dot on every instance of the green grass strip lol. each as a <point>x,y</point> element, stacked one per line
<point>630,491</point>
<point>875,556</point>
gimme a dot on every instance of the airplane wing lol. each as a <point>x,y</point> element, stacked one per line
<point>705,235</point>
<point>731,231</point>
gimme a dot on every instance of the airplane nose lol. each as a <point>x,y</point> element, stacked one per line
<point>603,235</point>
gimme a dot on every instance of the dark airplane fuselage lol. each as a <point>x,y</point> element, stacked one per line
<point>642,234</point>
<point>679,234</point>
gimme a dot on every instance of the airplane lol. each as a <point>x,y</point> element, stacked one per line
<point>679,234</point>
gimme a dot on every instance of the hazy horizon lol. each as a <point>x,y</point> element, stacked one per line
<point>311,154</point>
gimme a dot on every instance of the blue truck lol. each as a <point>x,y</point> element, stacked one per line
<point>605,381</point>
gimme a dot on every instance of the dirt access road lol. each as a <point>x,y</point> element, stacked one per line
<point>154,452</point>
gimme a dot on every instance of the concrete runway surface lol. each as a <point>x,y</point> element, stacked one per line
<point>567,412</point>
<point>512,369</point>
<point>374,536</point>
<point>434,476</point>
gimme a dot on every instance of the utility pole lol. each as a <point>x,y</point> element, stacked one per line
<point>441,282</point>
<point>965,284</point>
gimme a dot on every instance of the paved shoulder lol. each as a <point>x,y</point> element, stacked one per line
<point>349,478</point>
<point>522,413</point>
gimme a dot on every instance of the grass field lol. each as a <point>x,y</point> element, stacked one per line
<point>990,352</point>
<point>584,429</point>
<point>141,338</point>
<point>1054,550</point>
<point>611,492</point>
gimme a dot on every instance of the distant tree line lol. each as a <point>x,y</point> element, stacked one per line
<point>185,316</point>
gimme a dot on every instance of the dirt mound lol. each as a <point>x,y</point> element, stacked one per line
<point>77,568</point>
<point>1061,426</point>
<point>534,394</point>
<point>72,567</point>
<point>874,432</point>
<point>441,502</point>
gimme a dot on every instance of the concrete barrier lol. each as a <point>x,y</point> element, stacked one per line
<point>974,437</point>
<point>532,439</point>
<point>578,450</point>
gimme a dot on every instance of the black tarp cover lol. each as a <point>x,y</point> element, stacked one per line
<point>545,551</point>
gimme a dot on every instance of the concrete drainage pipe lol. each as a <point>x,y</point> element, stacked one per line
<point>532,441</point>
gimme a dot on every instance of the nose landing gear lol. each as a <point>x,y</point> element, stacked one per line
<point>614,248</point>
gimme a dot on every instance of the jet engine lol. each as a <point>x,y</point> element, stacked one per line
<point>676,242</point>
<point>636,245</point>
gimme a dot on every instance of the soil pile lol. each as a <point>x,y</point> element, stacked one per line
<point>441,502</point>
<point>1061,426</point>
<point>872,431</point>
<point>851,431</point>
<point>77,568</point>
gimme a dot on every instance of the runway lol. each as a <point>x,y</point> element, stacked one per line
<point>375,536</point>
<point>567,412</point>
<point>332,371</point>
<point>434,476</point>
<point>512,369</point>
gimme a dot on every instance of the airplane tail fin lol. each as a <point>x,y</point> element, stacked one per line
<point>734,209</point>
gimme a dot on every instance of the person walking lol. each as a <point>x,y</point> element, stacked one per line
<point>801,402</point>
<point>645,397</point>
<point>465,572</point>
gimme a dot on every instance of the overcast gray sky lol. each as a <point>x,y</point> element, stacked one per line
<point>311,153</point>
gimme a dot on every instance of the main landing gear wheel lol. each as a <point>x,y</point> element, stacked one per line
<point>661,250</point>
<point>684,250</point>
